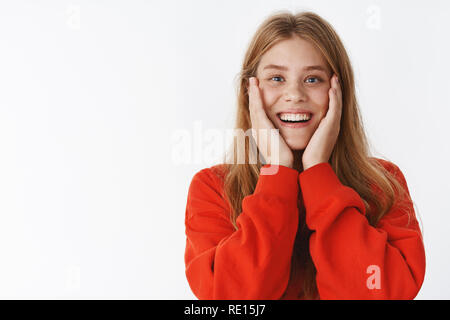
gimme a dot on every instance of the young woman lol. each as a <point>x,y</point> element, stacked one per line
<point>333,222</point>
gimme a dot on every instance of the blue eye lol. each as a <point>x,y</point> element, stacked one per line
<point>315,78</point>
<point>318,80</point>
<point>275,77</point>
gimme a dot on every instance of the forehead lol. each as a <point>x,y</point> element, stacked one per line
<point>295,53</point>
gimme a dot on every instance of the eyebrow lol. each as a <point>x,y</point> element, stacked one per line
<point>284,68</point>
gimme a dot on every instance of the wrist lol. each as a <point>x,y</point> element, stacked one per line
<point>289,164</point>
<point>306,166</point>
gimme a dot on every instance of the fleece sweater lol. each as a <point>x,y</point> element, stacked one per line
<point>353,259</point>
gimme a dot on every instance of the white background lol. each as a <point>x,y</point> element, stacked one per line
<point>92,202</point>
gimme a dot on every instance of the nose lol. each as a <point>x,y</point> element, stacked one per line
<point>295,92</point>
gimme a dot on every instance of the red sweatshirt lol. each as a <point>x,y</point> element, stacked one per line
<point>353,259</point>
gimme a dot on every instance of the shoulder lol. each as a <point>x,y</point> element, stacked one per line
<point>206,191</point>
<point>392,169</point>
<point>209,180</point>
<point>389,166</point>
<point>215,174</point>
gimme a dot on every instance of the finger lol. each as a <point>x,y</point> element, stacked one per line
<point>338,88</point>
<point>338,97</point>
<point>255,106</point>
<point>254,95</point>
<point>335,97</point>
<point>251,100</point>
<point>333,94</point>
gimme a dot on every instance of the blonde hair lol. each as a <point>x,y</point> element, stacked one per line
<point>350,159</point>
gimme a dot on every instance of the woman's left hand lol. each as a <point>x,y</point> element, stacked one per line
<point>322,142</point>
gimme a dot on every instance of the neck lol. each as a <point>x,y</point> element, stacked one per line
<point>298,165</point>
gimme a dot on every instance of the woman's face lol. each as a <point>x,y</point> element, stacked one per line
<point>294,76</point>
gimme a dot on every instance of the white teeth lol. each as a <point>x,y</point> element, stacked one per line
<point>295,117</point>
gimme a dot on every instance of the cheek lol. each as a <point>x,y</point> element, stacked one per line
<point>269,96</point>
<point>321,100</point>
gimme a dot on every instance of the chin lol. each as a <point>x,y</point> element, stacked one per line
<point>297,145</point>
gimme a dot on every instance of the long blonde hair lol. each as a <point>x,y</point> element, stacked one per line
<point>350,159</point>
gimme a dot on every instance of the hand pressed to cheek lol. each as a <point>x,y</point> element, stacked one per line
<point>259,120</point>
<point>322,142</point>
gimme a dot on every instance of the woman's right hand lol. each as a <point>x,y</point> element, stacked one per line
<point>259,121</point>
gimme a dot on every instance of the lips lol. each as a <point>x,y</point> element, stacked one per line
<point>294,111</point>
<point>294,124</point>
<point>308,119</point>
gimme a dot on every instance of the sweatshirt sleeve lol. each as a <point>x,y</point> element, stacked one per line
<point>252,262</point>
<point>353,259</point>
